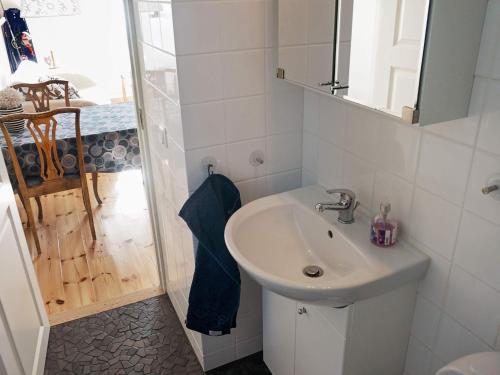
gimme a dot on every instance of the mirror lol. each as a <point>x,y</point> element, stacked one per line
<point>378,51</point>
<point>414,59</point>
<point>381,62</point>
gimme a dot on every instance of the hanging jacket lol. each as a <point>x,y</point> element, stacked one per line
<point>17,39</point>
<point>215,291</point>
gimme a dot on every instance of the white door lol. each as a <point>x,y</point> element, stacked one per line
<point>24,326</point>
<point>399,31</point>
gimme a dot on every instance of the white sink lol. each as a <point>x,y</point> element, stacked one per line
<point>276,237</point>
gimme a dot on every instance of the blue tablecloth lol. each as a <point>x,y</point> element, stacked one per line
<point>109,135</point>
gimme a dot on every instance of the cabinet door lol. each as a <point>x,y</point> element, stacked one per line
<point>319,347</point>
<point>279,332</point>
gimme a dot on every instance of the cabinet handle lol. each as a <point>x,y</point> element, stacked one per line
<point>302,310</point>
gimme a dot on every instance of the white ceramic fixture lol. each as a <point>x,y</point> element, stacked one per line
<point>276,237</point>
<point>487,363</point>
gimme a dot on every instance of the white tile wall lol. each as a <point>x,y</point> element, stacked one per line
<point>212,98</point>
<point>221,72</point>
<point>433,178</point>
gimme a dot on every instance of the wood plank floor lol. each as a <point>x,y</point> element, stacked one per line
<point>77,276</point>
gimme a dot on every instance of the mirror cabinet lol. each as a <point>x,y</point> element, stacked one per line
<point>413,59</point>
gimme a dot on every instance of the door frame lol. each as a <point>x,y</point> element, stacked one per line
<point>137,68</point>
<point>11,359</point>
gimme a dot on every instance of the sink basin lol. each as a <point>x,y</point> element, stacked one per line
<point>275,238</point>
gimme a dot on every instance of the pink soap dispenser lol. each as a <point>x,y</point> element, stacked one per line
<point>384,231</point>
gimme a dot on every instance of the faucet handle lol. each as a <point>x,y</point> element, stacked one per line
<point>343,192</point>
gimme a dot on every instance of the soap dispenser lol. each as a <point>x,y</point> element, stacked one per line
<point>384,231</point>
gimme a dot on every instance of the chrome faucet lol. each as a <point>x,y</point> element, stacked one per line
<point>345,206</point>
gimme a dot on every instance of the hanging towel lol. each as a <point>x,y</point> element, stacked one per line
<point>214,297</point>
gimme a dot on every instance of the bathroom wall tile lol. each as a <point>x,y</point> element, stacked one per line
<point>309,178</point>
<point>280,182</point>
<point>397,191</point>
<point>489,131</point>
<point>359,176</point>
<point>284,152</point>
<point>293,22</point>
<point>251,295</point>
<point>484,166</point>
<point>418,360</point>
<point>330,165</point>
<point>444,167</point>
<point>362,133</point>
<point>434,222</point>
<point>198,160</point>
<point>285,109</point>
<point>248,347</point>
<point>397,148</point>
<point>238,159</point>
<point>425,321</point>
<point>319,64</point>
<point>310,152</point>
<point>454,341</point>
<point>243,26</point>
<point>294,59</point>
<point>244,73</point>
<point>245,118</point>
<point>203,125</point>
<point>197,27</point>
<point>474,304</point>
<point>320,21</point>
<point>478,249</point>
<point>251,190</point>
<point>271,65</point>
<point>218,358</point>
<point>200,78</point>
<point>433,286</point>
<point>332,120</point>
<point>248,326</point>
<point>311,111</point>
<point>160,69</point>
<point>271,10</point>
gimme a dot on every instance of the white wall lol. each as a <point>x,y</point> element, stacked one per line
<point>93,43</point>
<point>212,96</point>
<point>433,178</point>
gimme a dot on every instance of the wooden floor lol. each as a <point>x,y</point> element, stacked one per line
<point>77,276</point>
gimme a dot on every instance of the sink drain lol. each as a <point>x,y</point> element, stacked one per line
<point>313,271</point>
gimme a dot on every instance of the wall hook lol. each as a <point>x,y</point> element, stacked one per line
<point>256,158</point>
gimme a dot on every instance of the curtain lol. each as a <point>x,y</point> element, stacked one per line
<point>17,39</point>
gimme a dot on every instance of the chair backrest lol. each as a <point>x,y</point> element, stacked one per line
<point>40,93</point>
<point>42,127</point>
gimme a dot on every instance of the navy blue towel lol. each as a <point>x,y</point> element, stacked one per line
<point>214,297</point>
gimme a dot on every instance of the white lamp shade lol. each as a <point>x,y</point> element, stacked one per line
<point>49,8</point>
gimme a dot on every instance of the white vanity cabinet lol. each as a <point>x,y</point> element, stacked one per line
<point>369,337</point>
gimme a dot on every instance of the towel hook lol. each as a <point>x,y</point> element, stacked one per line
<point>256,158</point>
<point>210,169</point>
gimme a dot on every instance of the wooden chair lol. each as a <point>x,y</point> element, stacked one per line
<point>43,127</point>
<point>39,94</point>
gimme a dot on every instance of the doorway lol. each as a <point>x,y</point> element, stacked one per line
<point>78,276</point>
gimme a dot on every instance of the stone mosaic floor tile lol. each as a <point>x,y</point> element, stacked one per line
<point>141,338</point>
